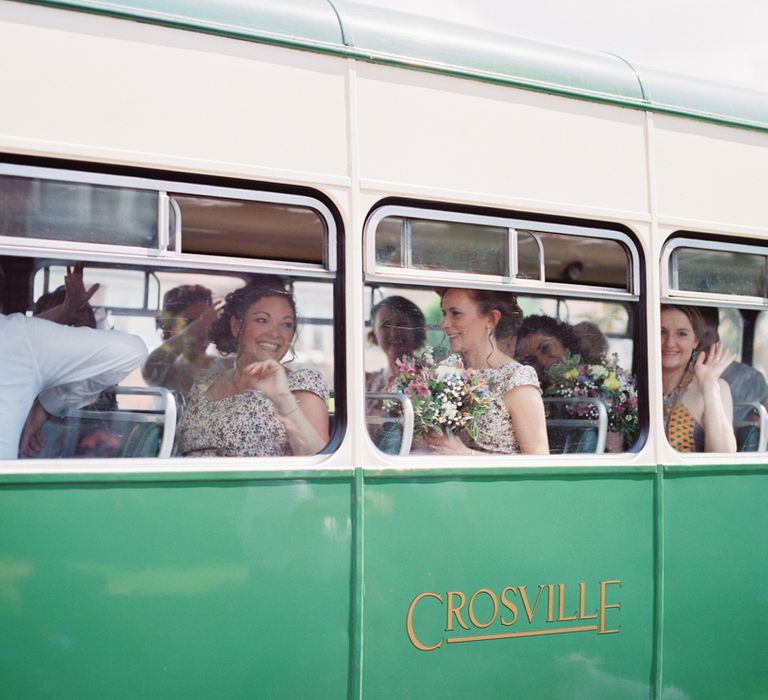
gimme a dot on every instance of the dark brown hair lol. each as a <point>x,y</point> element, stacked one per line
<point>236,305</point>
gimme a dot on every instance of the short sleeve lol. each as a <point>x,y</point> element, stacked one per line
<point>518,375</point>
<point>308,380</point>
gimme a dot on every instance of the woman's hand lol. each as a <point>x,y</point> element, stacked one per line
<point>710,365</point>
<point>267,376</point>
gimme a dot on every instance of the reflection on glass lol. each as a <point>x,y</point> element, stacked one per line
<point>719,272</point>
<point>71,211</point>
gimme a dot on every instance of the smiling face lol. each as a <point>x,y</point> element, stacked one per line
<point>540,350</point>
<point>267,330</point>
<point>465,327</point>
<point>678,340</point>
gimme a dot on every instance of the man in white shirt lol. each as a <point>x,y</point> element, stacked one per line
<point>48,368</point>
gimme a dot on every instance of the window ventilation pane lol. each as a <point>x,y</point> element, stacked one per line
<point>81,212</point>
<point>718,272</point>
<point>246,229</point>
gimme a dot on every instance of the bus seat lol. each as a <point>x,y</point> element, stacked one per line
<point>144,440</point>
<point>747,438</point>
<point>751,435</point>
<point>395,433</point>
<point>577,435</point>
<point>115,432</point>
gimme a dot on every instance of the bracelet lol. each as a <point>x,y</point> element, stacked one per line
<point>293,410</point>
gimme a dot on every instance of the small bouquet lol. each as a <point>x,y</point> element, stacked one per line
<point>607,381</point>
<point>446,396</point>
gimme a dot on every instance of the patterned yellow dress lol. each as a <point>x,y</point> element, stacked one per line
<point>683,431</point>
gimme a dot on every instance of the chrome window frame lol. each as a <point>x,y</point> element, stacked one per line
<point>388,274</point>
<point>670,292</point>
<point>164,251</point>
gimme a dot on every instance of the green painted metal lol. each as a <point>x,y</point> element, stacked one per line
<point>715,586</point>
<point>175,590</point>
<point>381,36</point>
<point>465,535</point>
<point>300,587</point>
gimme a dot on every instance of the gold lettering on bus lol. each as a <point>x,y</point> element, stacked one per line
<point>409,622</point>
<point>486,608</point>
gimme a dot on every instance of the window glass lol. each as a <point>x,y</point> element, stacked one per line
<point>687,332</point>
<point>585,260</point>
<point>247,229</point>
<point>187,397</point>
<point>71,211</point>
<point>580,352</point>
<point>477,248</point>
<point>718,272</point>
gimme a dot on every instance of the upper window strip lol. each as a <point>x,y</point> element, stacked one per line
<point>118,214</point>
<point>469,250</point>
<point>725,274</point>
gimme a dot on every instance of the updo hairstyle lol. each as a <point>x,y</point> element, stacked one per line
<point>236,305</point>
<point>412,315</point>
<point>505,303</point>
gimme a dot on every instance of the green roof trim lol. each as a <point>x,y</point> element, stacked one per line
<point>350,29</point>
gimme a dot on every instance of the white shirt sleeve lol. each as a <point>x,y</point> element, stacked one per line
<point>77,364</point>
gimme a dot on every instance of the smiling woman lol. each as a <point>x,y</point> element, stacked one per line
<point>698,409</point>
<point>259,407</point>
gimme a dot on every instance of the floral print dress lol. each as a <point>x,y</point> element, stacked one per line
<point>494,427</point>
<point>241,425</point>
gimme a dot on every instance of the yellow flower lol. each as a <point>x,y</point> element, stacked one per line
<point>611,383</point>
<point>572,373</point>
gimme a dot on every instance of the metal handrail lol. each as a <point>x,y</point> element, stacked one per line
<point>762,441</point>
<point>601,422</point>
<point>408,417</point>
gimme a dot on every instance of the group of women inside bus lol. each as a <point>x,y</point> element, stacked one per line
<point>250,402</point>
<point>489,332</point>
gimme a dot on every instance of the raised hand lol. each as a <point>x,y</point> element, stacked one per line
<point>75,294</point>
<point>710,365</point>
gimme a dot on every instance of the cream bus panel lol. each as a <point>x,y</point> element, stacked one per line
<point>184,98</point>
<point>464,136</point>
<point>710,174</point>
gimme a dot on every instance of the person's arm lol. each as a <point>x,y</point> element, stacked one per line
<point>303,413</point>
<point>526,411</point>
<point>718,406</point>
<point>159,370</point>
<point>84,363</point>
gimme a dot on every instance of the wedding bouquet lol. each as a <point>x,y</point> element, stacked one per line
<point>446,396</point>
<point>607,381</point>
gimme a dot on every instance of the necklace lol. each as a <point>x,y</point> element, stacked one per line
<point>672,396</point>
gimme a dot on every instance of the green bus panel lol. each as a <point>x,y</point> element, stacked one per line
<point>716,586</point>
<point>445,563</point>
<point>234,589</point>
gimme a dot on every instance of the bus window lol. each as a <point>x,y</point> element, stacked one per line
<point>541,361</point>
<point>240,351</point>
<point>710,313</point>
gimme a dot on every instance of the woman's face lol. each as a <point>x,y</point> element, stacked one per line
<point>393,333</point>
<point>540,350</point>
<point>267,330</point>
<point>678,340</point>
<point>465,327</point>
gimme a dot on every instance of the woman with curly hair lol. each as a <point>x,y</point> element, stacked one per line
<point>542,342</point>
<point>259,407</point>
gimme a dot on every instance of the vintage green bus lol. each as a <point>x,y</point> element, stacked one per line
<point>355,155</point>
